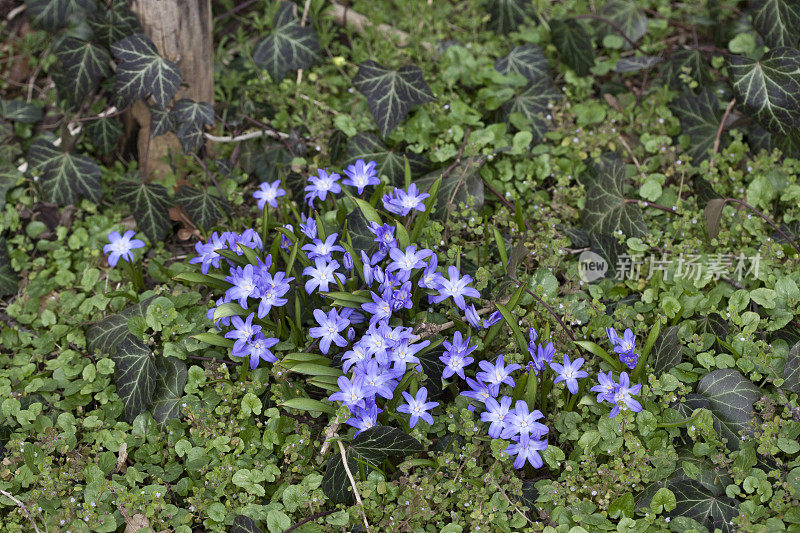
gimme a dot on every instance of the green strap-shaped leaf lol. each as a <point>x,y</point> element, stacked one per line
<point>171,376</point>
<point>390,163</point>
<point>9,281</point>
<point>65,177</point>
<point>191,118</point>
<point>114,23</point>
<point>731,397</point>
<point>83,66</point>
<point>142,72</point>
<point>769,87</point>
<point>150,203</point>
<point>527,60</point>
<point>700,117</point>
<point>20,111</point>
<point>203,208</point>
<point>161,121</point>
<point>607,210</point>
<point>391,93</point>
<point>105,134</point>
<point>574,45</point>
<point>104,335</point>
<point>791,371</point>
<point>507,15</point>
<point>134,375</point>
<point>778,21</point>
<point>666,352</point>
<point>288,47</point>
<point>533,103</point>
<point>628,16</point>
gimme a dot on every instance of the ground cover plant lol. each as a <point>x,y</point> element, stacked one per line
<point>420,266</point>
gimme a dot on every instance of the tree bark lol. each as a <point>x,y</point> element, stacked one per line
<point>182,31</point>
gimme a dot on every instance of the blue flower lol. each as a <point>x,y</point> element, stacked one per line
<point>543,357</point>
<point>308,226</point>
<point>520,421</point>
<point>569,372</point>
<point>430,277</point>
<point>496,414</point>
<point>321,186</point>
<point>378,379</point>
<point>323,250</point>
<point>408,260</point>
<point>207,254</point>
<point>244,284</point>
<point>401,298</point>
<point>258,348</point>
<point>417,407</point>
<point>493,319</point>
<point>380,309</point>
<point>384,236</point>
<point>347,261</point>
<point>360,175</point>
<point>322,275</point>
<point>351,393</point>
<point>242,332</point>
<point>365,418</point>
<point>402,203</point>
<point>471,314</point>
<point>624,346</point>
<point>354,356</point>
<point>623,396</point>
<point>480,391</point>
<point>456,356</point>
<point>273,288</point>
<point>328,331</point>
<point>455,287</point>
<point>122,246</point>
<point>404,353</point>
<point>527,449</point>
<point>267,193</point>
<point>494,375</point>
<point>606,387</point>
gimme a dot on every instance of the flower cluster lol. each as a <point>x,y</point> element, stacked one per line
<point>624,346</point>
<point>619,394</point>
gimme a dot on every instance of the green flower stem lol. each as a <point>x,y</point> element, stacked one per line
<point>243,369</point>
<point>265,228</point>
<point>134,275</point>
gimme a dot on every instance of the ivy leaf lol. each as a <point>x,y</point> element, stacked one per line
<point>608,247</point>
<point>288,47</point>
<point>507,15</point>
<point>20,111</point>
<point>372,446</point>
<point>532,103</point>
<point>731,397</point>
<point>391,163</point>
<point>703,504</point>
<point>9,281</point>
<point>52,15</point>
<point>105,134</point>
<point>65,177</point>
<point>574,44</point>
<point>391,93</point>
<point>628,16</point>
<point>769,87</point>
<point>171,376</point>
<point>114,23</point>
<point>150,203</point>
<point>791,371</point>
<point>104,335</point>
<point>204,209</point>
<point>142,72</point>
<point>245,524</point>
<point>607,209</point>
<point>527,60</point>
<point>700,117</point>
<point>689,61</point>
<point>637,63</point>
<point>161,121</point>
<point>777,21</point>
<point>9,176</point>
<point>462,186</point>
<point>134,375</point>
<point>83,66</point>
<point>191,118</point>
<point>666,352</point>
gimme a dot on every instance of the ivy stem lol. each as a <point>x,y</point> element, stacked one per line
<point>766,219</point>
<point>651,204</point>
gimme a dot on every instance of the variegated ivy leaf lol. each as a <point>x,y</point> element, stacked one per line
<point>700,116</point>
<point>104,335</point>
<point>9,176</point>
<point>114,23</point>
<point>391,93</point>
<point>142,72</point>
<point>690,62</point>
<point>777,21</point>
<point>245,524</point>
<point>637,63</point>
<point>527,60</point>
<point>150,203</point>
<point>161,121</point>
<point>731,397</point>
<point>628,16</point>
<point>507,15</point>
<point>704,504</point>
<point>204,209</point>
<point>574,44</point>
<point>134,375</point>
<point>83,66</point>
<point>9,281</point>
<point>288,47</point>
<point>192,117</point>
<point>769,87</point>
<point>390,162</point>
<point>607,210</point>
<point>791,370</point>
<point>533,103</point>
<point>20,111</point>
<point>65,177</point>
<point>463,185</point>
<point>51,15</point>
<point>105,134</point>
<point>171,376</point>
<point>666,352</point>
